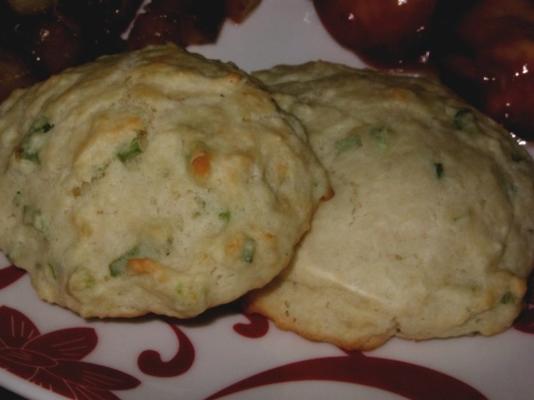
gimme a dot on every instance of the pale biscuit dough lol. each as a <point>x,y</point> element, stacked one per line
<point>431,229</point>
<point>155,181</point>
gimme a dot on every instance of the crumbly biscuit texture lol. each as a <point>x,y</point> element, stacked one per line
<point>154,181</point>
<point>431,229</point>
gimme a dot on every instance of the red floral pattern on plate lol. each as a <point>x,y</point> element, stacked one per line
<point>52,360</point>
<point>525,321</point>
<point>256,327</point>
<point>150,362</point>
<point>408,380</point>
<point>10,274</point>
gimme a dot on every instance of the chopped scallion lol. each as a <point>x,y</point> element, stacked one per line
<point>34,139</point>
<point>225,216</point>
<point>438,169</point>
<point>41,125</point>
<point>131,150</point>
<point>347,143</point>
<point>381,136</point>
<point>118,266</point>
<point>507,298</point>
<point>33,216</point>
<point>52,270</point>
<point>249,248</point>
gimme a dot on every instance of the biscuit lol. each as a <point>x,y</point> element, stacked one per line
<point>154,181</point>
<point>430,233</point>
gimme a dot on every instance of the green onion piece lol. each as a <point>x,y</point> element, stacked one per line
<point>41,125</point>
<point>34,139</point>
<point>118,265</point>
<point>17,199</point>
<point>130,151</point>
<point>438,169</point>
<point>52,270</point>
<point>225,216</point>
<point>508,298</point>
<point>380,135</point>
<point>82,279</point>
<point>33,216</point>
<point>465,120</point>
<point>32,156</point>
<point>179,289</point>
<point>347,143</point>
<point>249,248</point>
<point>89,281</point>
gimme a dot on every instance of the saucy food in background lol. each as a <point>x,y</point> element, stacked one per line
<point>483,49</point>
<point>385,33</point>
<point>39,38</point>
<point>487,56</point>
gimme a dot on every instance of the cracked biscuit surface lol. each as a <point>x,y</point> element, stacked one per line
<point>154,181</point>
<point>431,229</point>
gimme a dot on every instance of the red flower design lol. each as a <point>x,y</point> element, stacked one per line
<point>150,362</point>
<point>10,274</point>
<point>52,360</point>
<point>525,321</point>
<point>408,380</point>
<point>257,326</point>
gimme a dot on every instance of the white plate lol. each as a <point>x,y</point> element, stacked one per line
<point>161,359</point>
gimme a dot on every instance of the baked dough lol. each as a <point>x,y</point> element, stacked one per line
<point>154,181</point>
<point>430,232</point>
